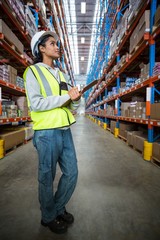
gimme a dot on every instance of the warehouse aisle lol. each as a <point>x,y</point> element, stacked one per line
<point>117,196</point>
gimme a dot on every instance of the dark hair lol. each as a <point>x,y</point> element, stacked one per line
<point>43,41</point>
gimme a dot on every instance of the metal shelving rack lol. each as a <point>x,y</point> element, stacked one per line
<point>98,99</point>
<point>100,53</point>
<point>19,61</point>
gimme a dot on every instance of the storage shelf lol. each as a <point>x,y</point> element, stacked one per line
<point>140,49</point>
<point>13,120</point>
<point>42,22</point>
<point>156,32</point>
<point>127,34</point>
<point>14,22</point>
<point>11,88</point>
<point>11,52</point>
<point>49,5</point>
<point>155,123</point>
<point>121,45</point>
<point>152,122</point>
<point>134,120</point>
<point>131,90</point>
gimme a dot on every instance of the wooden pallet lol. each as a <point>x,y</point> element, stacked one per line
<point>28,140</point>
<point>9,42</point>
<point>137,46</point>
<point>129,145</point>
<point>137,150</point>
<point>123,138</point>
<point>157,24</point>
<point>155,161</point>
<point>11,150</point>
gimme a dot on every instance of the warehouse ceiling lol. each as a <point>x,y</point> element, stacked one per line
<point>81,31</point>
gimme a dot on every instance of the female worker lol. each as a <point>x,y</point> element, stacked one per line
<point>49,101</point>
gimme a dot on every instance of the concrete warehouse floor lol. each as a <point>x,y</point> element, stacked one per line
<point>117,195</point>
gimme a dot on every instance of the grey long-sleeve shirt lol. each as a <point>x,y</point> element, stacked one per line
<point>37,101</point>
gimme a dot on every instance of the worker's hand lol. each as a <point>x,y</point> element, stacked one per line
<point>74,94</point>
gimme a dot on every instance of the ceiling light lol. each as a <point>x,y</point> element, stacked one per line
<point>82,58</point>
<point>82,40</point>
<point>83,7</point>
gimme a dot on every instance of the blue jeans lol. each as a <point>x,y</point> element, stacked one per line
<point>55,146</point>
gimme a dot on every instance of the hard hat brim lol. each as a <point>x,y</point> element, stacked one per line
<point>53,34</point>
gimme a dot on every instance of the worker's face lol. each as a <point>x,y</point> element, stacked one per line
<point>50,49</point>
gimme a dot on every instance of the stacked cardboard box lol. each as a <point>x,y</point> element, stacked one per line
<point>155,111</point>
<point>22,106</point>
<point>110,110</point>
<point>12,74</point>
<point>8,73</point>
<point>122,26</point>
<point>144,74</point>
<point>112,126</point>
<point>18,8</point>
<point>28,133</point>
<point>12,138</point>
<point>124,127</point>
<point>142,27</point>
<point>133,109</point>
<point>31,27</point>
<point>4,73</point>
<point>121,62</point>
<point>157,16</point>
<point>20,82</point>
<point>156,69</point>
<point>108,76</point>
<point>10,36</point>
<point>42,8</point>
<point>134,7</point>
<point>138,142</point>
<point>130,137</point>
<point>113,44</point>
<point>130,82</point>
<point>140,110</point>
<point>156,151</point>
<point>124,109</point>
<point>9,109</point>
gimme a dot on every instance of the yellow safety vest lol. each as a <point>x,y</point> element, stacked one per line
<point>56,118</point>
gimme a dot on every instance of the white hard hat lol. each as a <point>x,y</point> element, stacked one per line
<point>36,39</point>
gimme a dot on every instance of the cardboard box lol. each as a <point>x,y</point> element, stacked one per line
<point>140,105</point>
<point>126,113</point>
<point>10,36</point>
<point>157,16</point>
<point>156,150</point>
<point>155,111</point>
<point>12,74</point>
<point>123,133</point>
<point>112,126</point>
<point>142,27</point>
<point>5,29</point>
<point>124,108</point>
<point>127,126</point>
<point>12,139</point>
<point>29,132</point>
<point>130,137</point>
<point>138,142</point>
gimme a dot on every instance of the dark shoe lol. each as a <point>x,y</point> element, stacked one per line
<point>56,226</point>
<point>66,217</point>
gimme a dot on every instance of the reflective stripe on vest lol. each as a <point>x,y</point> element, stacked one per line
<point>44,81</point>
